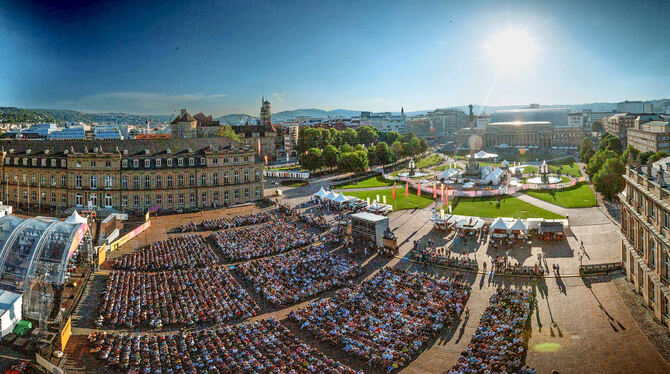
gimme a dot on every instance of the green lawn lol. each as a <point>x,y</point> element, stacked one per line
<point>579,196</point>
<point>431,160</point>
<point>375,181</point>
<point>530,169</point>
<point>402,202</point>
<point>445,167</point>
<point>570,169</point>
<point>509,207</point>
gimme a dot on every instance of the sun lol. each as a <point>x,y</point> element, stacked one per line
<point>511,50</point>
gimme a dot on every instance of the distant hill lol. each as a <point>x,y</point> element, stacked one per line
<point>318,113</point>
<point>18,115</point>
<point>235,119</point>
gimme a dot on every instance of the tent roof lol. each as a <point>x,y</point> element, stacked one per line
<point>321,192</point>
<point>519,225</point>
<point>330,195</point>
<point>340,198</point>
<point>75,218</point>
<point>468,185</point>
<point>499,224</point>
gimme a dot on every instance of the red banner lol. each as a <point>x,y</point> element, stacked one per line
<point>406,189</point>
<point>418,189</point>
<point>434,191</point>
<point>393,190</point>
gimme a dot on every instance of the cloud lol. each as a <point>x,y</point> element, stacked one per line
<point>147,102</point>
<point>278,96</point>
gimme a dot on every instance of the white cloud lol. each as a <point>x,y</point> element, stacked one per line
<point>278,96</point>
<point>147,102</point>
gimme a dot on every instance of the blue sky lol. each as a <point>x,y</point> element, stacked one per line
<point>221,57</point>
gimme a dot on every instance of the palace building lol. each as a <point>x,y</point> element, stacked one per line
<point>645,224</point>
<point>531,127</point>
<point>129,175</point>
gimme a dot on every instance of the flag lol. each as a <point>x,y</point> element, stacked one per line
<point>384,198</point>
<point>377,197</point>
<point>393,190</point>
<point>368,200</point>
<point>259,146</point>
<point>418,189</point>
<point>266,159</point>
<point>406,189</point>
<point>442,193</point>
<point>434,191</point>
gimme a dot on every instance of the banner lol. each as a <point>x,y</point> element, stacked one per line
<point>266,159</point>
<point>102,254</point>
<point>393,190</point>
<point>377,197</point>
<point>384,197</point>
<point>418,190</point>
<point>78,237</point>
<point>124,239</point>
<point>65,333</point>
<point>434,190</point>
<point>406,189</point>
<point>146,216</point>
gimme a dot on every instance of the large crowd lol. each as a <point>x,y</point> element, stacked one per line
<point>223,223</point>
<point>184,252</point>
<point>298,275</point>
<point>500,342</point>
<point>444,257</point>
<point>178,297</point>
<point>386,320</point>
<point>254,347</point>
<point>260,241</point>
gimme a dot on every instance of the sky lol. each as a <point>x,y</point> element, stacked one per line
<point>221,57</point>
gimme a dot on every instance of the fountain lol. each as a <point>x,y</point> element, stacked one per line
<point>412,172</point>
<point>544,177</point>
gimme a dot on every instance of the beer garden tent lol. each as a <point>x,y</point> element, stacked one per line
<point>498,228</point>
<point>470,224</point>
<point>481,155</point>
<point>340,199</point>
<point>330,195</point>
<point>469,185</point>
<point>450,173</point>
<point>518,229</point>
<point>321,193</point>
<point>75,218</point>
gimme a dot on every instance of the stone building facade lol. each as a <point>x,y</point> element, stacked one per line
<point>129,175</point>
<point>645,224</point>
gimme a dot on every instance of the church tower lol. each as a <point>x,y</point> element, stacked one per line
<point>266,114</point>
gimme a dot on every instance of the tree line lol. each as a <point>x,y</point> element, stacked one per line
<point>354,150</point>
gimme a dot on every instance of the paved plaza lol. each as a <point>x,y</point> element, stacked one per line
<point>579,325</point>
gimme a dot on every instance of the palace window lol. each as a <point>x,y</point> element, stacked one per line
<point>147,200</point>
<point>124,163</point>
<point>158,162</point>
<point>136,200</point>
<point>203,179</point>
<point>236,177</point>
<point>180,180</point>
<point>108,201</point>
<point>203,197</point>
<point>136,163</point>
<point>124,200</point>
<point>77,181</point>
<point>78,199</point>
<point>53,180</point>
<point>191,180</point>
<point>191,161</point>
<point>147,181</point>
<point>124,182</point>
<point>215,178</point>
<point>147,163</point>
<point>246,176</point>
<point>191,197</point>
<point>181,199</point>
<point>169,181</point>
<point>169,199</point>
<point>53,198</point>
<point>159,181</point>
<point>94,181</point>
<point>225,177</point>
<point>159,199</point>
<point>216,196</point>
<point>169,162</point>
<point>136,182</point>
<point>237,194</point>
<point>180,162</point>
<point>108,181</point>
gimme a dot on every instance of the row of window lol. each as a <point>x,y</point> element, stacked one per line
<point>108,200</point>
<point>147,163</point>
<point>147,180</point>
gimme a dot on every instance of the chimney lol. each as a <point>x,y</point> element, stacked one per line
<point>184,111</point>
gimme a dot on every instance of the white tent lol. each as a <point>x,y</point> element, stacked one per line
<point>449,173</point>
<point>481,155</point>
<point>468,185</point>
<point>502,146</point>
<point>499,224</point>
<point>330,195</point>
<point>75,218</point>
<point>504,164</point>
<point>493,177</point>
<point>10,311</point>
<point>340,198</point>
<point>518,225</point>
<point>321,193</point>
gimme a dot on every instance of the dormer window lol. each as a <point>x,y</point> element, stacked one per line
<point>158,162</point>
<point>169,162</point>
<point>33,162</point>
<point>191,161</point>
<point>136,163</point>
<point>147,163</point>
<point>180,162</point>
<point>203,161</point>
<point>44,162</point>
<point>77,164</point>
<point>124,163</point>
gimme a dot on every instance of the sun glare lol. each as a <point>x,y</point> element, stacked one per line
<point>511,50</point>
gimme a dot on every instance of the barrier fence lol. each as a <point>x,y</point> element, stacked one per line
<point>600,268</point>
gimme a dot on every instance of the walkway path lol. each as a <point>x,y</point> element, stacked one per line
<point>577,216</point>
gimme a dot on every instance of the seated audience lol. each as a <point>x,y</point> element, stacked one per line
<point>183,252</point>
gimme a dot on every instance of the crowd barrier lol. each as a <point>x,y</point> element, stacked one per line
<point>124,239</point>
<point>600,268</point>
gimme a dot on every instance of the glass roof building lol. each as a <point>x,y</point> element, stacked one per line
<point>33,246</point>
<point>558,117</point>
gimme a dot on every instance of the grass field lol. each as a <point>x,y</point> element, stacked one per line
<point>445,167</point>
<point>568,167</point>
<point>530,169</point>
<point>375,181</point>
<point>579,196</point>
<point>509,207</point>
<point>431,160</point>
<point>293,183</point>
<point>402,202</point>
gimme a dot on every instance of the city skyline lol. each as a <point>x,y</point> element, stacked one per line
<point>222,58</point>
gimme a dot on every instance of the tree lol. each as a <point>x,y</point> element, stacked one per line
<point>308,137</point>
<point>346,148</point>
<point>598,160</point>
<point>627,154</point>
<point>324,138</point>
<point>350,136</point>
<point>415,146</point>
<point>360,147</point>
<point>657,156</point>
<point>227,132</point>
<point>584,147</point>
<point>610,142</point>
<point>609,180</point>
<point>356,162</point>
<point>645,156</point>
<point>423,145</point>
<point>397,149</point>
<point>383,153</point>
<point>312,160</point>
<point>330,156</point>
<point>389,137</point>
<point>372,155</point>
<point>367,135</point>
<point>597,126</point>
